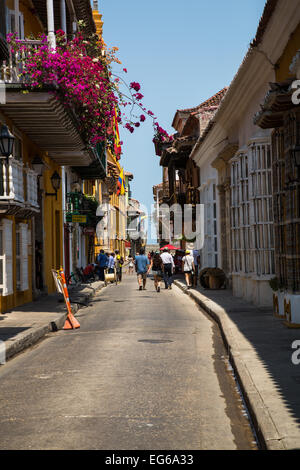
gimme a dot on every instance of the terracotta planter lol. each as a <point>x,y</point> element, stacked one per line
<point>214,282</point>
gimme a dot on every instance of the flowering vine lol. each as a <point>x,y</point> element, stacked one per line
<point>80,73</point>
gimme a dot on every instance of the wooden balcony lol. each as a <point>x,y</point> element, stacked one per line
<point>41,115</point>
<point>18,189</point>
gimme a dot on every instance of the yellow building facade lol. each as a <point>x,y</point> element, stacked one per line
<point>31,214</point>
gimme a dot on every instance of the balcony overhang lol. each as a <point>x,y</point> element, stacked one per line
<point>43,118</point>
<point>277,102</point>
<point>94,171</point>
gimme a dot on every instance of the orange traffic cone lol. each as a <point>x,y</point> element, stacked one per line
<point>71,321</point>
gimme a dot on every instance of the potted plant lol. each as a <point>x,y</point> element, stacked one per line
<point>215,278</point>
<point>278,297</point>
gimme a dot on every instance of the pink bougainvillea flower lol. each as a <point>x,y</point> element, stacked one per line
<point>137,124</point>
<point>142,118</point>
<point>136,86</point>
<point>129,127</point>
<point>125,70</point>
<point>138,96</point>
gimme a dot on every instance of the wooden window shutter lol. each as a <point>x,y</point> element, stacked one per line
<point>4,53</point>
<point>8,287</point>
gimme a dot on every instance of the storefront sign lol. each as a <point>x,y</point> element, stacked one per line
<point>81,219</point>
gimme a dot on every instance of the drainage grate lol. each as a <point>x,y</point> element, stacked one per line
<point>155,341</point>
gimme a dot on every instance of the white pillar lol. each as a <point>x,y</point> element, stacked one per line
<point>63,16</point>
<point>50,23</point>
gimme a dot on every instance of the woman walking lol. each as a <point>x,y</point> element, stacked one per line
<point>130,265</point>
<point>157,267</point>
<point>188,267</point>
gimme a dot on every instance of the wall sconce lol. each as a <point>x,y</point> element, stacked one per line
<point>6,142</point>
<point>55,181</point>
<point>38,165</point>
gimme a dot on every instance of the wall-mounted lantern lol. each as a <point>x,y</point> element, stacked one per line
<point>55,181</point>
<point>38,165</point>
<point>6,142</point>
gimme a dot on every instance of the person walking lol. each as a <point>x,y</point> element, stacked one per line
<point>196,257</point>
<point>111,263</point>
<point>142,268</point>
<point>188,267</point>
<point>157,267</point>
<point>130,265</point>
<point>119,264</point>
<point>102,261</point>
<point>169,267</point>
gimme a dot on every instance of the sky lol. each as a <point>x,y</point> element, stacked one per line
<point>181,53</point>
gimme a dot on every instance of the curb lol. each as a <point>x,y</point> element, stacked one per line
<point>266,431</point>
<point>26,339</point>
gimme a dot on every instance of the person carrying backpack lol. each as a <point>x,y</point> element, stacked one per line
<point>157,267</point>
<point>119,265</point>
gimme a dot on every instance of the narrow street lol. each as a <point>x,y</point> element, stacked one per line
<point>144,371</point>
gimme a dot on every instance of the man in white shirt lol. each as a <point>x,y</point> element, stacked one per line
<point>169,267</point>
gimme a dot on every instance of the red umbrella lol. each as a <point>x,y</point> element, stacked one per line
<point>170,247</point>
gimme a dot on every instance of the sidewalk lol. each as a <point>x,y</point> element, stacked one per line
<point>26,325</point>
<point>259,347</point>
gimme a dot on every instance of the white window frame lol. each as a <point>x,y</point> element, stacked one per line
<point>240,215</point>
<point>18,258</point>
<point>7,257</point>
<point>18,26</point>
<point>24,237</point>
<point>260,192</point>
<point>252,237</point>
<point>2,258</point>
<point>208,196</point>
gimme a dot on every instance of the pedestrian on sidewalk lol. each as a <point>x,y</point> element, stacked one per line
<point>169,267</point>
<point>130,265</point>
<point>188,267</point>
<point>157,267</point>
<point>119,264</point>
<point>142,268</point>
<point>196,257</point>
<point>102,262</point>
<point>111,263</point>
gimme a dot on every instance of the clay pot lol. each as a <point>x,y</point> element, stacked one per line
<point>214,282</point>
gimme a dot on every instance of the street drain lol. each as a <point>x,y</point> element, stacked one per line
<point>155,341</point>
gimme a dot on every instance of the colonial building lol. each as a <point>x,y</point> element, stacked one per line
<point>34,179</point>
<point>279,114</point>
<point>182,180</point>
<point>241,152</point>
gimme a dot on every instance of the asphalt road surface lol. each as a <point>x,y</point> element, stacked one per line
<point>145,371</point>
